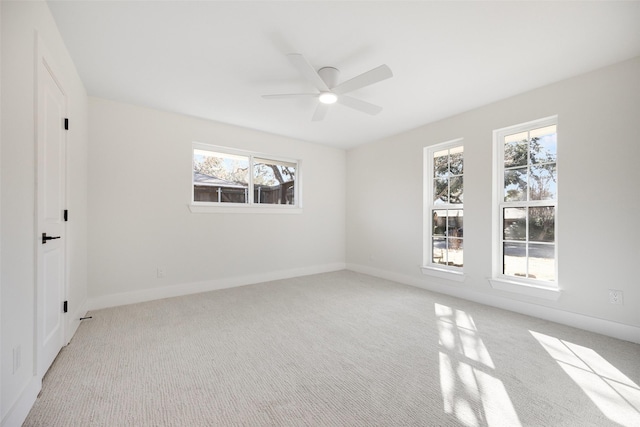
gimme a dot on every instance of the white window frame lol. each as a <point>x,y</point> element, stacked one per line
<point>250,206</point>
<point>428,266</point>
<point>549,290</point>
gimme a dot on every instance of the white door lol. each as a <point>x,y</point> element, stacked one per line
<point>51,152</point>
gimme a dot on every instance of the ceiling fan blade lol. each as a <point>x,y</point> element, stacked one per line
<point>380,73</point>
<point>321,111</point>
<point>303,66</point>
<point>358,104</point>
<point>290,95</point>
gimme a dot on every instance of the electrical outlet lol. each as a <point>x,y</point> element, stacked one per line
<point>615,297</point>
<point>162,273</point>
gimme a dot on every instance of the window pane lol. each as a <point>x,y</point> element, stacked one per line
<point>273,182</point>
<point>440,190</point>
<point>543,145</point>
<point>456,161</point>
<point>542,182</point>
<point>542,262</point>
<point>515,185</point>
<point>455,253</point>
<point>220,177</point>
<point>441,164</point>
<point>515,223</point>
<point>439,250</point>
<point>542,224</point>
<point>439,222</point>
<point>516,137</point>
<point>515,259</point>
<point>516,150</point>
<point>454,223</point>
<point>280,163</point>
<point>456,189</point>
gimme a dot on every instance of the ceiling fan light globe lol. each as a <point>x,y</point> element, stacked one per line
<point>328,98</point>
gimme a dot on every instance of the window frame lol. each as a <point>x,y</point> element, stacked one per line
<point>525,285</point>
<point>428,266</point>
<point>250,206</point>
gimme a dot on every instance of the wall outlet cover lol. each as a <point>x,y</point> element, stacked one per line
<point>615,296</point>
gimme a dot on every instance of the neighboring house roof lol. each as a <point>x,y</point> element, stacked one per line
<point>212,181</point>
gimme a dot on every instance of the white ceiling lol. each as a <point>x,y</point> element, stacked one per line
<point>214,59</point>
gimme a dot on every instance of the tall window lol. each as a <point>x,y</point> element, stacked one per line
<point>222,176</point>
<point>444,214</point>
<point>527,189</point>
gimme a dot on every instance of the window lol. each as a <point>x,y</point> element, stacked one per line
<point>220,177</point>
<point>224,177</point>
<point>274,181</point>
<point>443,206</point>
<point>527,201</point>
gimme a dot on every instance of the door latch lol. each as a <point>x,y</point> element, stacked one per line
<point>45,238</point>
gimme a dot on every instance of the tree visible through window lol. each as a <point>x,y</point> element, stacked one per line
<point>274,181</point>
<point>222,177</point>
<point>528,184</point>
<point>444,205</point>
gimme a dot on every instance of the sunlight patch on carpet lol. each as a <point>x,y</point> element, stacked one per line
<point>470,390</point>
<point>610,390</point>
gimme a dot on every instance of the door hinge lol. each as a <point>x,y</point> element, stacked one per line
<point>66,215</point>
<point>65,307</point>
<point>66,124</point>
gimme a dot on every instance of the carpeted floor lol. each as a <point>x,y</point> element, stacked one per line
<point>336,349</point>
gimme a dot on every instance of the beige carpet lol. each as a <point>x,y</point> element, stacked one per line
<point>336,349</point>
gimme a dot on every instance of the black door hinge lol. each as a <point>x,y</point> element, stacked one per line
<point>65,307</point>
<point>66,215</point>
<point>66,124</point>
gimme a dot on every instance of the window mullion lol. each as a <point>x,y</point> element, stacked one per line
<point>446,231</point>
<point>501,240</point>
<point>527,241</point>
<point>251,191</point>
<point>528,170</point>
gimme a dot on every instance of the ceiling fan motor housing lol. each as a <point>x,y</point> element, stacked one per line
<point>329,75</point>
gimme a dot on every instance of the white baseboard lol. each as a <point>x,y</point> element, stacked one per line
<point>125,298</point>
<point>601,326</point>
<point>18,412</point>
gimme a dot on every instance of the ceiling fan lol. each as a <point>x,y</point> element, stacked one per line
<point>329,92</point>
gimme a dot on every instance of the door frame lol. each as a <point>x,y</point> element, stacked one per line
<point>44,63</point>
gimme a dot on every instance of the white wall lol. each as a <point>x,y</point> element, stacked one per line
<point>598,238</point>
<point>140,186</point>
<point>20,22</point>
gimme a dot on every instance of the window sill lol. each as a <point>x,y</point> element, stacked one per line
<point>237,209</point>
<point>542,292</point>
<point>443,273</point>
